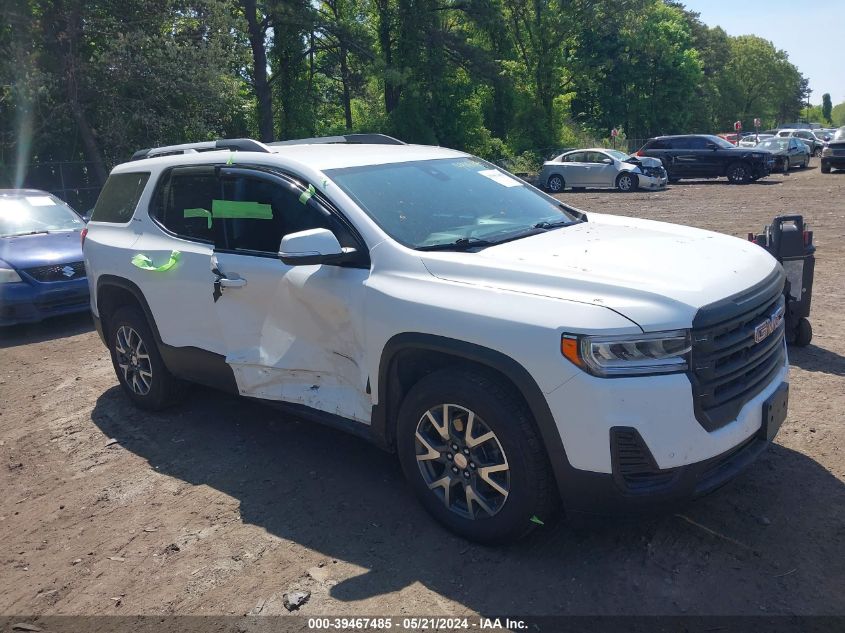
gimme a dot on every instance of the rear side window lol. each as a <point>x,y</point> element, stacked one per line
<point>183,203</point>
<point>658,143</point>
<point>119,197</point>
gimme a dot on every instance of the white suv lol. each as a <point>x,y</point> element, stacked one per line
<point>514,351</point>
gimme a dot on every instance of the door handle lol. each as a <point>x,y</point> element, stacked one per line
<point>238,282</point>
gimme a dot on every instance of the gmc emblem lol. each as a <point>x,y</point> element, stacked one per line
<point>769,326</point>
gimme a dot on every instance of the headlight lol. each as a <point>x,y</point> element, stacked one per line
<point>629,354</point>
<point>8,276</point>
<point>827,151</point>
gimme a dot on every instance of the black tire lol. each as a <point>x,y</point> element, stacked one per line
<point>803,333</point>
<point>738,173</point>
<point>627,182</point>
<point>162,390</point>
<point>825,169</point>
<point>555,184</point>
<point>531,493</point>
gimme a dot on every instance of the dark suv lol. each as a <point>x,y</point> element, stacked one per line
<point>707,156</point>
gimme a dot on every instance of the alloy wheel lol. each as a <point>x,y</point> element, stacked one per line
<point>625,182</point>
<point>462,461</point>
<point>133,360</point>
<point>555,184</point>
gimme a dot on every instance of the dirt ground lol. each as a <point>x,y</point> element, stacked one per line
<point>221,505</point>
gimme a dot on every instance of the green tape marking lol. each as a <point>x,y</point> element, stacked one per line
<point>231,160</point>
<point>198,213</point>
<point>241,210</point>
<point>536,519</point>
<point>145,263</point>
<point>306,195</point>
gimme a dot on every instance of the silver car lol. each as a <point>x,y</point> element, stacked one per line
<point>599,167</point>
<point>752,140</point>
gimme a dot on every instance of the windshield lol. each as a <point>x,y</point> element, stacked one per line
<point>774,144</point>
<point>436,203</point>
<point>617,154</point>
<point>35,213</point>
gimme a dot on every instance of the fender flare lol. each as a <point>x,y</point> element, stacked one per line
<point>383,415</point>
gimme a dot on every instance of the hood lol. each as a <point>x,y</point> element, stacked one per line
<point>645,161</point>
<point>28,251</point>
<point>656,274</point>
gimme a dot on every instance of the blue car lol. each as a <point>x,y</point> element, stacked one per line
<point>42,273</point>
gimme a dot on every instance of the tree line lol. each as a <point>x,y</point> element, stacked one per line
<point>96,80</point>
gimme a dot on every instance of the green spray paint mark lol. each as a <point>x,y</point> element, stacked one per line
<point>306,195</point>
<point>198,213</point>
<point>145,263</point>
<point>536,519</point>
<point>241,210</point>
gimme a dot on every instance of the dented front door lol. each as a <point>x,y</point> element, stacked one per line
<point>292,333</point>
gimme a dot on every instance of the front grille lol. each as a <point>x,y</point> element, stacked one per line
<point>654,172</point>
<point>57,272</point>
<point>633,465</point>
<point>728,367</point>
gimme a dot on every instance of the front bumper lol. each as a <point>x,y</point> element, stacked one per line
<point>760,169</point>
<point>652,182</point>
<point>836,162</point>
<point>25,302</point>
<point>652,417</point>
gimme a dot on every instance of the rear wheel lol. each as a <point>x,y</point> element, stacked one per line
<point>738,173</point>
<point>137,362</point>
<point>555,184</point>
<point>626,182</point>
<point>469,449</point>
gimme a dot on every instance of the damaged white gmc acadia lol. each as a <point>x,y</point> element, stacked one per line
<point>517,354</point>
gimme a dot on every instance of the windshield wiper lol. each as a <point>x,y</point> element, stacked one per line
<point>545,224</point>
<point>27,233</point>
<point>460,244</point>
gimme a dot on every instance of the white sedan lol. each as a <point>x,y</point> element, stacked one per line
<point>599,167</point>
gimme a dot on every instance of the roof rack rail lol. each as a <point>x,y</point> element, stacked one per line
<point>368,139</point>
<point>234,144</point>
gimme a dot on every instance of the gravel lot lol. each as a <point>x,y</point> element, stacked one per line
<point>221,505</point>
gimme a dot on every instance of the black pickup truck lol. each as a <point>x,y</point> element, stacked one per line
<point>707,156</point>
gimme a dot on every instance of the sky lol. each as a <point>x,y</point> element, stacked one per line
<point>808,30</point>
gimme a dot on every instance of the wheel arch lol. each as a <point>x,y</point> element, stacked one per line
<point>114,292</point>
<point>409,356</point>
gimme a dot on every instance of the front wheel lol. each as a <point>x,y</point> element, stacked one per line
<point>825,169</point>
<point>738,173</point>
<point>626,182</point>
<point>137,362</point>
<point>469,448</point>
<point>555,184</point>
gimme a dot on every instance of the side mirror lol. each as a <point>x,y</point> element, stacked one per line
<point>712,146</point>
<point>607,161</point>
<point>314,246</point>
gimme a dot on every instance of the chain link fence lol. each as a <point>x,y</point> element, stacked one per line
<point>73,182</point>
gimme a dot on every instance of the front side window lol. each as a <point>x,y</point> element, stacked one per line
<point>31,213</point>
<point>258,212</point>
<point>441,202</point>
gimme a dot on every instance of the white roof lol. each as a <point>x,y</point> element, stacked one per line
<point>318,156</point>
